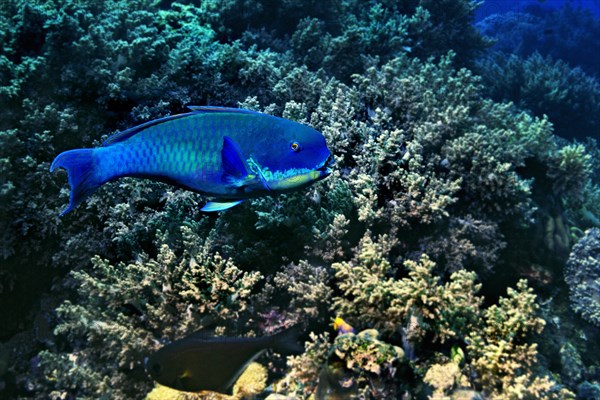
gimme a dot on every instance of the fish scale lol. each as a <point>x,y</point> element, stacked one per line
<point>229,154</point>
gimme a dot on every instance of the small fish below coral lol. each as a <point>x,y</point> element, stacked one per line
<point>198,362</point>
<point>227,154</point>
<point>250,384</point>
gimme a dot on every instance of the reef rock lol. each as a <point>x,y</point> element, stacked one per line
<point>582,274</point>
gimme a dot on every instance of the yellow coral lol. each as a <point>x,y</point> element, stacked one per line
<point>251,383</point>
<point>443,377</point>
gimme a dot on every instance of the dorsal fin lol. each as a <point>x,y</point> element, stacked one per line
<point>201,334</point>
<point>126,134</point>
<point>215,109</point>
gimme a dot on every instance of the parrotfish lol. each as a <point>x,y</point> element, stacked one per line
<point>228,154</point>
<point>197,363</point>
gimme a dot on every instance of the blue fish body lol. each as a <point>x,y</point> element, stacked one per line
<point>225,153</point>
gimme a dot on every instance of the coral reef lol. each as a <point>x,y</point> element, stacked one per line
<point>131,309</point>
<point>582,274</point>
<point>440,197</point>
<point>545,86</point>
<point>360,365</point>
<point>570,169</point>
<point>303,377</point>
<point>572,365</point>
<point>308,287</point>
<point>353,365</point>
<point>498,357</point>
<point>502,358</point>
<point>372,297</point>
<point>445,378</point>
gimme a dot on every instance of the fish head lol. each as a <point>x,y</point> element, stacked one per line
<point>155,366</point>
<point>295,158</point>
<point>164,369</point>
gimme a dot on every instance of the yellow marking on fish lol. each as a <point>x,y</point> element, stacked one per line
<point>186,374</point>
<point>295,180</point>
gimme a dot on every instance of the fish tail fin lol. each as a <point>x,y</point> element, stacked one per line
<point>80,168</point>
<point>286,341</point>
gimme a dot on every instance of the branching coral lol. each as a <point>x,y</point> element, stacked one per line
<point>468,243</point>
<point>360,365</point>
<point>353,365</point>
<point>308,287</point>
<point>303,377</point>
<point>421,306</point>
<point>570,170</point>
<point>424,165</point>
<point>344,37</point>
<point>444,378</point>
<point>501,356</point>
<point>123,311</point>
<point>373,296</point>
<point>431,147</point>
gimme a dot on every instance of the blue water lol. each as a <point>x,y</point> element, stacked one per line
<point>567,30</point>
<point>490,7</point>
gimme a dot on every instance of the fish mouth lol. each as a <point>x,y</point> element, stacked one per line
<point>325,167</point>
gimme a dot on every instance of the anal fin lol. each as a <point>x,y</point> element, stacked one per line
<point>213,206</point>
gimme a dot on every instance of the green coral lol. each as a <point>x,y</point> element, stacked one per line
<point>425,164</point>
<point>570,169</point>
<point>572,365</point>
<point>500,354</point>
<point>353,365</point>
<point>418,304</point>
<point>421,306</point>
<point>129,309</point>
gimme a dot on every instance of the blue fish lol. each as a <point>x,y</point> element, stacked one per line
<point>228,154</point>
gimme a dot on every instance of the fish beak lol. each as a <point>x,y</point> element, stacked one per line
<point>324,169</point>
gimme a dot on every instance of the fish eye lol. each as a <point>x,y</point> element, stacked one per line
<point>295,146</point>
<point>156,368</point>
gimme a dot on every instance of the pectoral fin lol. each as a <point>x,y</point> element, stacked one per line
<point>236,171</point>
<point>212,206</point>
